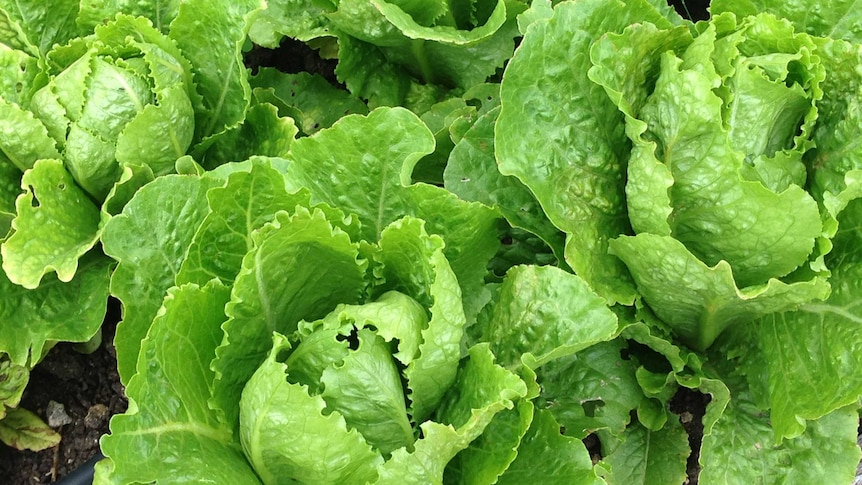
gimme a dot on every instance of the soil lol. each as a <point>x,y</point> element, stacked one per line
<point>88,387</point>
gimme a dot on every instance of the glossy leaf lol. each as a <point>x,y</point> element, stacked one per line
<point>168,415</point>
<point>56,224</point>
<point>544,313</point>
<point>149,239</point>
<point>276,288</point>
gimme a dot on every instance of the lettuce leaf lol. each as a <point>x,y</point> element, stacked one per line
<point>577,175</point>
<point>149,239</point>
<point>168,414</point>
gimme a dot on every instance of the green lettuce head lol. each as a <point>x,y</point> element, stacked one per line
<point>121,97</point>
<point>683,160</point>
<point>716,183</point>
<point>72,121</point>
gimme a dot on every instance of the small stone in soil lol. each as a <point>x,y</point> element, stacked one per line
<point>96,416</point>
<point>57,415</point>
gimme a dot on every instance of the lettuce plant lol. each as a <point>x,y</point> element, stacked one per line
<point>96,101</point>
<point>706,190</point>
<point>366,346</point>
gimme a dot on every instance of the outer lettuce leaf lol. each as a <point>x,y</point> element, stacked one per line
<point>741,449</point>
<point>481,390</point>
<point>24,430</point>
<point>95,12</point>
<point>576,174</point>
<point>362,165</point>
<point>840,19</point>
<point>22,75</point>
<point>368,74</point>
<point>56,224</point>
<point>212,34</point>
<point>546,453</point>
<point>35,26</point>
<point>149,240</point>
<point>287,436</point>
<point>24,138</point>
<point>303,20</point>
<point>169,433</point>
<point>594,389</point>
<point>698,301</point>
<point>649,457</point>
<point>246,202</point>
<point>804,364</point>
<point>308,98</point>
<point>276,288</point>
<point>56,311</point>
<point>544,313</point>
<point>472,174</point>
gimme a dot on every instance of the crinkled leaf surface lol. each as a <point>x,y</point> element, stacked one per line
<point>277,287</point>
<point>545,313</point>
<point>150,239</point>
<point>546,453</point>
<point>838,149</point>
<point>362,165</point>
<point>576,174</point>
<point>650,457</point>
<point>25,138</point>
<point>211,35</point>
<point>56,224</point>
<point>840,19</point>
<point>56,311</point>
<point>481,390</point>
<point>742,449</point>
<point>699,301</point>
<point>36,25</point>
<point>169,432</point>
<point>287,436</point>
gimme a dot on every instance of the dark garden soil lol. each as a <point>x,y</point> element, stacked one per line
<point>88,389</point>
